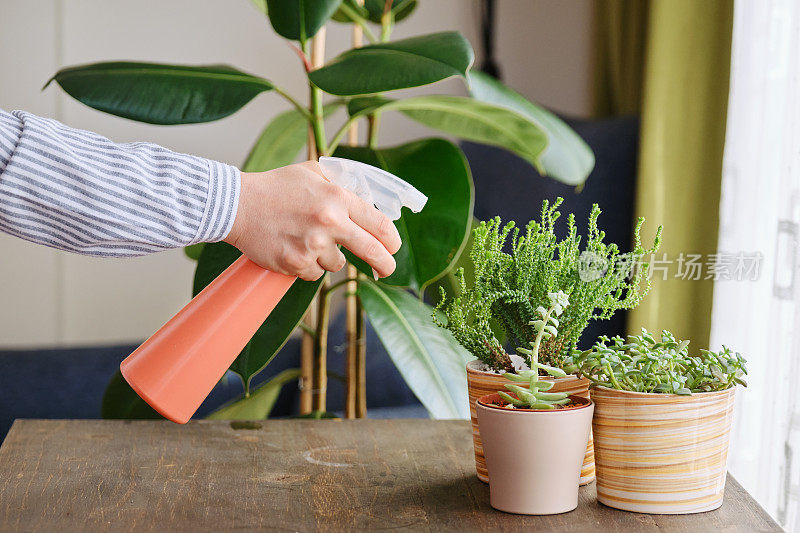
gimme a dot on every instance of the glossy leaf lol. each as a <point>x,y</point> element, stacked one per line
<point>400,9</point>
<point>300,19</point>
<point>566,157</point>
<point>468,119</point>
<point>436,235</point>
<point>261,401</point>
<point>428,357</point>
<point>193,251</point>
<point>373,10</point>
<point>161,94</point>
<point>261,5</point>
<point>281,141</point>
<point>120,401</point>
<point>396,65</point>
<point>276,329</point>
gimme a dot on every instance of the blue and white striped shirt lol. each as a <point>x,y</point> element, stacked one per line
<point>77,191</point>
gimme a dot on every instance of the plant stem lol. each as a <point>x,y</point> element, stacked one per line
<point>297,105</point>
<point>317,118</point>
<point>341,283</point>
<point>358,19</point>
<point>538,341</point>
<point>319,391</point>
<point>320,353</point>
<point>340,133</point>
<point>386,21</point>
<point>373,125</point>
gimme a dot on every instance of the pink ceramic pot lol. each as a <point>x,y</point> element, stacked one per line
<point>534,457</point>
<point>480,383</point>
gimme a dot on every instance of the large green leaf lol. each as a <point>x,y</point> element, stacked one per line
<point>373,10</point>
<point>498,125</point>
<point>121,401</point>
<point>275,331</point>
<point>435,236</point>
<point>396,65</point>
<point>300,19</point>
<point>193,251</point>
<point>566,157</point>
<point>161,94</point>
<point>259,404</point>
<point>428,357</point>
<point>281,141</point>
<point>466,118</point>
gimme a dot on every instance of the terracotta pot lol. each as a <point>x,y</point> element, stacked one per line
<point>481,383</point>
<point>661,453</point>
<point>534,457</point>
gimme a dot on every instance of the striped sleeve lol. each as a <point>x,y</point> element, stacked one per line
<point>77,191</point>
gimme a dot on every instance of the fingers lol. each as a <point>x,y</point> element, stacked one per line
<point>367,247</point>
<point>332,259</point>
<point>374,222</point>
<point>311,273</point>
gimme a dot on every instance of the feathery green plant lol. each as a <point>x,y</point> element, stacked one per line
<point>644,365</point>
<point>536,395</point>
<point>596,276</point>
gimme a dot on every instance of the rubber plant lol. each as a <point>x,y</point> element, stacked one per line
<point>352,87</point>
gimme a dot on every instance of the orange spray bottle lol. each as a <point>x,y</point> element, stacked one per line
<point>176,368</point>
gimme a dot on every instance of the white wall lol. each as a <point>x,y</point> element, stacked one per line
<point>50,298</point>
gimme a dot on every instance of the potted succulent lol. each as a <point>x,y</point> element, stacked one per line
<point>535,434</point>
<point>501,298</point>
<point>662,422</point>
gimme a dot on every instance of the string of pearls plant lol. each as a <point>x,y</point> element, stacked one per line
<point>643,364</point>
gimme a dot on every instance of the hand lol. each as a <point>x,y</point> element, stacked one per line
<point>290,220</point>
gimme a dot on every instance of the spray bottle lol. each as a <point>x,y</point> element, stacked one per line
<point>176,368</point>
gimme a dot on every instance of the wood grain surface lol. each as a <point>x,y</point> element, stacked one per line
<point>288,475</point>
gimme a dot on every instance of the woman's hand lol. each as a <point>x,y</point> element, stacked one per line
<point>290,220</point>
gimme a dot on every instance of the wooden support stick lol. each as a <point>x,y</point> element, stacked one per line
<point>313,350</point>
<point>354,314</point>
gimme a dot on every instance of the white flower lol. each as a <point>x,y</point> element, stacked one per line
<point>558,298</point>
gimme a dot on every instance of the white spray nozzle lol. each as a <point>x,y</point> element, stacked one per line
<point>385,191</point>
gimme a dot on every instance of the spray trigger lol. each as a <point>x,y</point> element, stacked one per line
<point>375,186</point>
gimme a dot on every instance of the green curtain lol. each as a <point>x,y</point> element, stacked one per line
<point>620,36</point>
<point>684,105</point>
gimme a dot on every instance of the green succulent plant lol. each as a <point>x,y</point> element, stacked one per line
<point>509,286</point>
<point>643,364</point>
<point>535,396</point>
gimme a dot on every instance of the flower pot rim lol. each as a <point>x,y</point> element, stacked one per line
<point>662,394</point>
<point>586,402</point>
<point>487,373</point>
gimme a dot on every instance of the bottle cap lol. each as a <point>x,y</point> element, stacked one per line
<point>385,191</point>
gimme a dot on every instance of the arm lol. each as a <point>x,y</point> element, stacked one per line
<point>77,191</point>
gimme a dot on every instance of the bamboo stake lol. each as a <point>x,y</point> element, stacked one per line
<point>354,315</point>
<point>319,373</point>
<point>361,363</point>
<point>309,363</point>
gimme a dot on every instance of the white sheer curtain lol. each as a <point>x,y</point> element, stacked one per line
<point>760,212</point>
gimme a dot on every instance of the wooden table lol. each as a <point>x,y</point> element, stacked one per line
<point>293,475</point>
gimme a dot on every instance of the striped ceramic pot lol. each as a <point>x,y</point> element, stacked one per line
<point>661,453</point>
<point>481,383</point>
